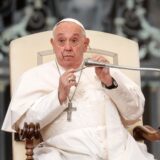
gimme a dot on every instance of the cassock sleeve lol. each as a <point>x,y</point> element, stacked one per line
<point>127,97</point>
<point>44,110</point>
<point>35,99</point>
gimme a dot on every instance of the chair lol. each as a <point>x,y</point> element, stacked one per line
<point>32,50</point>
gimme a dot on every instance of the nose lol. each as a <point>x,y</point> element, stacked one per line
<point>68,46</point>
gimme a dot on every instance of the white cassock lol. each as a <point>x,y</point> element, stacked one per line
<point>96,131</point>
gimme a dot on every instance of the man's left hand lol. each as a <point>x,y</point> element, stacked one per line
<point>103,73</point>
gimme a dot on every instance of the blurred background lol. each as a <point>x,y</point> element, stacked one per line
<point>135,19</point>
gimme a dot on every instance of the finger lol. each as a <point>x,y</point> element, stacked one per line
<point>99,58</point>
<point>72,78</point>
<point>72,83</point>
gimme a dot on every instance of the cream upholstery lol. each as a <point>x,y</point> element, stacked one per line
<point>28,51</point>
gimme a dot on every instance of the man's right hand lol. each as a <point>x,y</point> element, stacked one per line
<point>66,81</point>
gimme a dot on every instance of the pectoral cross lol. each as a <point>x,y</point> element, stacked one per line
<point>69,110</point>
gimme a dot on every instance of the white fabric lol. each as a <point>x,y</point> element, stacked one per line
<point>95,132</point>
<point>70,20</point>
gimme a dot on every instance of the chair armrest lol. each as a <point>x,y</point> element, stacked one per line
<point>146,132</point>
<point>29,134</point>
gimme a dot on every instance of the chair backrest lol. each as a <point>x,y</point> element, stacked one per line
<point>31,50</point>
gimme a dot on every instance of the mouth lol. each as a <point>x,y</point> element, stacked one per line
<point>68,56</point>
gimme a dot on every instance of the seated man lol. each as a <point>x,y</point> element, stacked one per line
<point>80,111</point>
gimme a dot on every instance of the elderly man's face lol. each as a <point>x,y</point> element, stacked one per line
<point>69,44</point>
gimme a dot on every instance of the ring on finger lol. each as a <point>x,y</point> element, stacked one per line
<point>71,79</point>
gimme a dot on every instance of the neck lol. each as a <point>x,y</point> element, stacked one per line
<point>75,66</point>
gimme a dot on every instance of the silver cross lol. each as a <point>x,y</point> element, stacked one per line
<point>69,111</point>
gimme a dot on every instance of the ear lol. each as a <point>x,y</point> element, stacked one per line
<point>86,43</point>
<point>52,41</point>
